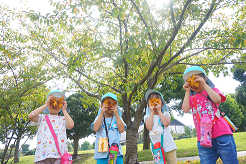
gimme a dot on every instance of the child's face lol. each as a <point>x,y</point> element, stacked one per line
<point>200,86</point>
<point>110,104</point>
<point>155,100</point>
<point>55,104</point>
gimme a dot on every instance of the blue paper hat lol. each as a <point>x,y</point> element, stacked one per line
<point>110,95</point>
<point>113,96</point>
<point>55,93</point>
<point>149,92</point>
<point>194,70</point>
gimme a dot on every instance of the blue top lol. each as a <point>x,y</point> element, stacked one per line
<point>113,136</point>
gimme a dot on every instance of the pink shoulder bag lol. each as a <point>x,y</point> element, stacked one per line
<point>67,157</point>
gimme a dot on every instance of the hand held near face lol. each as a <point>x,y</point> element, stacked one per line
<point>191,79</point>
<point>54,103</point>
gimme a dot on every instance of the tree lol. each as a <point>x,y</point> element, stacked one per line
<point>85,145</point>
<point>239,74</point>
<point>21,79</point>
<point>69,146</point>
<point>194,134</point>
<point>93,145</point>
<point>187,131</point>
<point>128,47</point>
<point>25,148</point>
<point>231,109</point>
<point>83,114</point>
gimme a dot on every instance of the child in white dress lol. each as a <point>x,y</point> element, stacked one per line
<point>157,119</point>
<point>46,151</point>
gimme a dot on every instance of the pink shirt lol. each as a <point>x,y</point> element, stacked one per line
<point>221,127</point>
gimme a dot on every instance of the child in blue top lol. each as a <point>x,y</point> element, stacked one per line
<point>115,126</point>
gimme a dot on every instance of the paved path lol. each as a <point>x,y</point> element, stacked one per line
<point>239,154</point>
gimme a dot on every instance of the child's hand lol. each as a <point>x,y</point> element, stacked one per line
<point>200,79</point>
<point>64,106</point>
<point>104,108</point>
<point>186,86</point>
<point>115,110</point>
<point>158,107</point>
<point>151,108</point>
<point>48,100</point>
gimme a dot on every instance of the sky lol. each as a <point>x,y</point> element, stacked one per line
<point>225,84</point>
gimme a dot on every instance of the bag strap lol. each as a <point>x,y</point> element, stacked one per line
<point>53,133</point>
<point>198,117</point>
<point>106,130</point>
<point>162,147</point>
<point>104,122</point>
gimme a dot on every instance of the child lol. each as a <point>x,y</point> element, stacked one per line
<point>46,150</point>
<point>109,113</point>
<point>156,117</point>
<point>207,99</point>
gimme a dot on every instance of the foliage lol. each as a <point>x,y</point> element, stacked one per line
<point>25,148</point>
<point>239,74</point>
<point>83,114</point>
<point>194,134</point>
<point>22,76</point>
<point>69,146</point>
<point>93,145</point>
<point>187,130</point>
<point>231,109</point>
<point>85,145</point>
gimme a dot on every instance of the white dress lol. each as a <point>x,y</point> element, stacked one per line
<point>46,147</point>
<point>156,131</point>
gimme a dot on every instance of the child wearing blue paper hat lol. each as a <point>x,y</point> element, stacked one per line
<point>203,98</point>
<point>46,150</point>
<point>108,123</point>
<point>157,119</point>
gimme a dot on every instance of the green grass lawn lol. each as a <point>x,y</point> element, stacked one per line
<point>186,148</point>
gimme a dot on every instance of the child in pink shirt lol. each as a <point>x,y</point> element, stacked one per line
<point>207,99</point>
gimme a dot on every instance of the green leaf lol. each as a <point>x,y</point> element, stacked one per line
<point>115,12</point>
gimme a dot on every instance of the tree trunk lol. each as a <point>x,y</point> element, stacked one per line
<point>16,155</point>
<point>146,141</point>
<point>131,156</point>
<point>75,148</point>
<point>4,154</point>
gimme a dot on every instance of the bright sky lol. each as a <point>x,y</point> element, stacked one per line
<point>225,84</point>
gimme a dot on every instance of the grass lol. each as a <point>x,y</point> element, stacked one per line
<point>186,148</point>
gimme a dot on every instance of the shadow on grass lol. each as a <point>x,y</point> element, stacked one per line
<point>81,158</point>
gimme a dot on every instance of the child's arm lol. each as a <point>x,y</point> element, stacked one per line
<point>69,120</point>
<point>149,122</point>
<point>98,122</point>
<point>215,97</point>
<point>186,101</point>
<point>120,125</point>
<point>165,120</point>
<point>33,116</point>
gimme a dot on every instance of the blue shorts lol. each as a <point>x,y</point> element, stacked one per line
<point>105,160</point>
<point>223,147</point>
